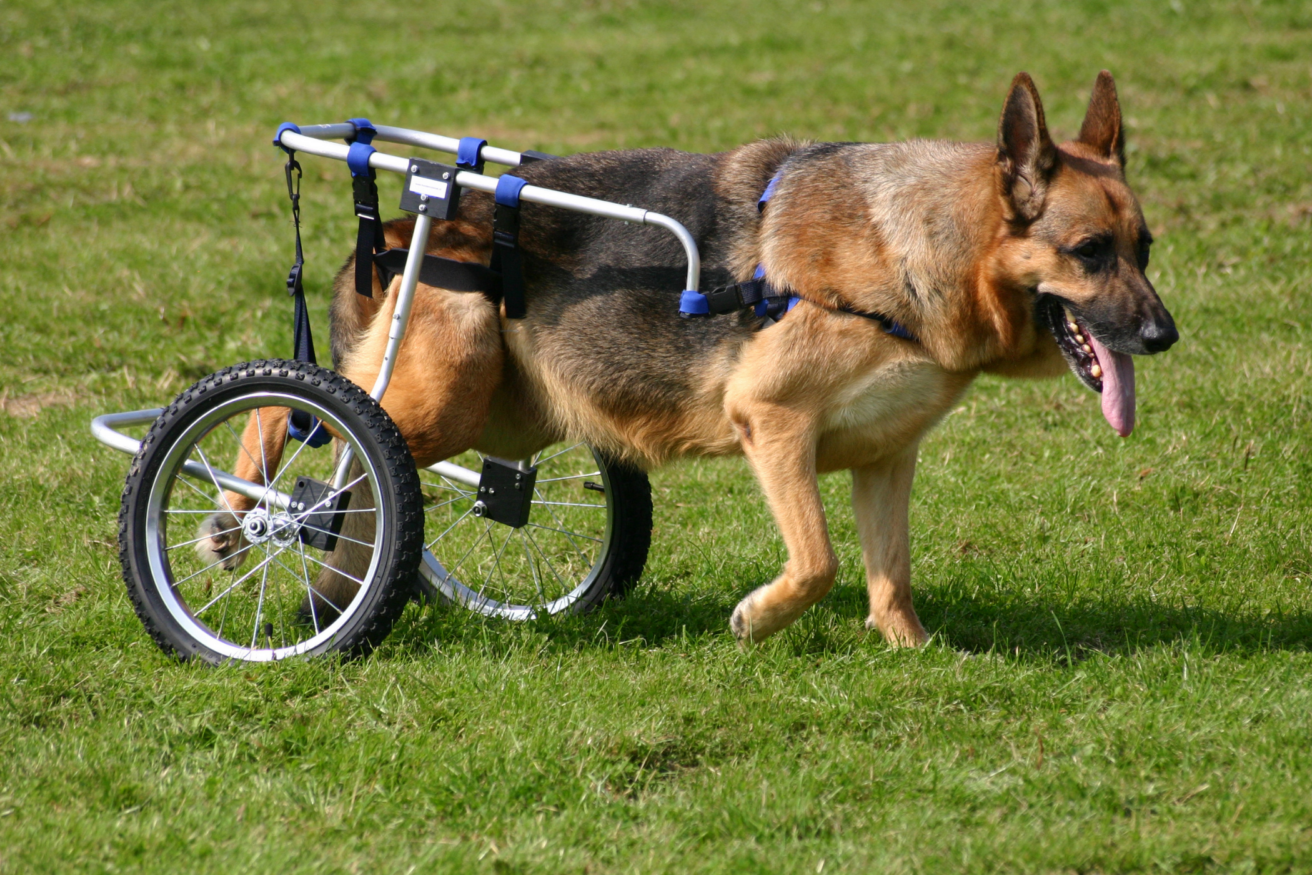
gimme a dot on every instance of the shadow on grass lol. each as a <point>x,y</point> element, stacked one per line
<point>1022,625</point>
<point>648,617</point>
<point>1028,625</point>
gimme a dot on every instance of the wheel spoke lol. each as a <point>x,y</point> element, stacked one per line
<point>449,528</point>
<point>236,437</point>
<point>214,480</point>
<point>336,570</point>
<point>561,453</point>
<point>532,567</point>
<point>570,477</point>
<point>587,561</point>
<point>568,504</point>
<point>259,605</point>
<point>563,532</point>
<point>434,507</point>
<point>264,459</point>
<point>218,561</point>
<point>452,570</point>
<point>326,500</point>
<point>287,466</point>
<point>453,487</point>
<point>202,537</point>
<point>547,559</point>
<point>236,583</point>
<point>309,590</point>
<point>339,537</point>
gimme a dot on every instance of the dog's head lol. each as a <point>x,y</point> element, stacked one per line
<point>1078,243</point>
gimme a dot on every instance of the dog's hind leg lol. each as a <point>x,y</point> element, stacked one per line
<point>784,461</point>
<point>337,581</point>
<point>881,495</point>
<point>447,369</point>
<point>262,443</point>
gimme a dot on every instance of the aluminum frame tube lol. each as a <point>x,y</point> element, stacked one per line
<point>405,299</point>
<point>408,137</point>
<point>531,193</point>
<point>104,429</point>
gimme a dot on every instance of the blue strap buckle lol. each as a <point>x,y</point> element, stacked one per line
<point>307,429</point>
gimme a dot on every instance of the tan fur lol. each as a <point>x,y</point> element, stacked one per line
<point>949,239</point>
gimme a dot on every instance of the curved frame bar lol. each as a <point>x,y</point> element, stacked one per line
<point>313,145</point>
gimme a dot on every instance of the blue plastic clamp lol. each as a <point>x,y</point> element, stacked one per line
<point>469,153</point>
<point>694,303</point>
<point>358,158</point>
<point>277,138</point>
<point>508,189</point>
<point>364,130</point>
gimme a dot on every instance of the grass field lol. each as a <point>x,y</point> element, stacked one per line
<point>1119,678</point>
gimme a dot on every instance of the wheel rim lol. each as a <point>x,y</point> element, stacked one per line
<point>251,613</point>
<point>545,567</point>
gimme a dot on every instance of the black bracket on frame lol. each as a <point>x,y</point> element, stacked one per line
<point>430,189</point>
<point>320,527</point>
<point>505,492</point>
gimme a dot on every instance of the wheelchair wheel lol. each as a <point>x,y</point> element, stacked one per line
<point>309,565</point>
<point>586,537</point>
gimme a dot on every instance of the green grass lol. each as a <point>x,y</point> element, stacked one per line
<point>1119,676</point>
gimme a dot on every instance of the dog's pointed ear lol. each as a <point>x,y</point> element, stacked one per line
<point>1026,155</point>
<point>1102,123</point>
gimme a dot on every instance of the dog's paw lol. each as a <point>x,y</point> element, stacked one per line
<point>738,623</point>
<point>221,541</point>
<point>745,622</point>
<point>900,631</point>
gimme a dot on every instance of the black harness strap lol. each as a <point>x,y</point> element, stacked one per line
<point>301,426</point>
<point>442,273</point>
<point>302,338</point>
<point>505,245</point>
<point>369,237</point>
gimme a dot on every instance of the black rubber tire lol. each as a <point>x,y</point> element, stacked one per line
<point>387,465</point>
<point>612,574</point>
<point>624,562</point>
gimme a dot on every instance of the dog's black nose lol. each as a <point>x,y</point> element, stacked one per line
<point>1159,335</point>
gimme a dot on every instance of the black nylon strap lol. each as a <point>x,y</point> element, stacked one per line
<point>442,273</point>
<point>369,238</point>
<point>506,260</point>
<point>302,338</point>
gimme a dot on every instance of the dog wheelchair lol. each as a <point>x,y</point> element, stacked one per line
<point>224,567</point>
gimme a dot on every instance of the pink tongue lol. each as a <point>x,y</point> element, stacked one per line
<point>1117,386</point>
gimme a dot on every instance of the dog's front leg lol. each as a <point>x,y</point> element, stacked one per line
<point>881,495</point>
<point>258,459</point>
<point>780,445</point>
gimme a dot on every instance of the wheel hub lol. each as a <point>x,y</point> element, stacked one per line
<point>259,526</point>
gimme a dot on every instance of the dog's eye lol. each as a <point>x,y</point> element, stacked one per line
<point>1144,247</point>
<point>1092,252</point>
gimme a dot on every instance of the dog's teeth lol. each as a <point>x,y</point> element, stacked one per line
<point>1073,327</point>
<point>1096,370</point>
<point>1088,349</point>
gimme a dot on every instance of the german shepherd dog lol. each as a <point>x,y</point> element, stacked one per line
<point>1007,257</point>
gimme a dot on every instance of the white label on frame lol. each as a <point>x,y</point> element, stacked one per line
<point>431,187</point>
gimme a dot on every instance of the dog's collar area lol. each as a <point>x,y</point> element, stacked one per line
<point>765,299</point>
